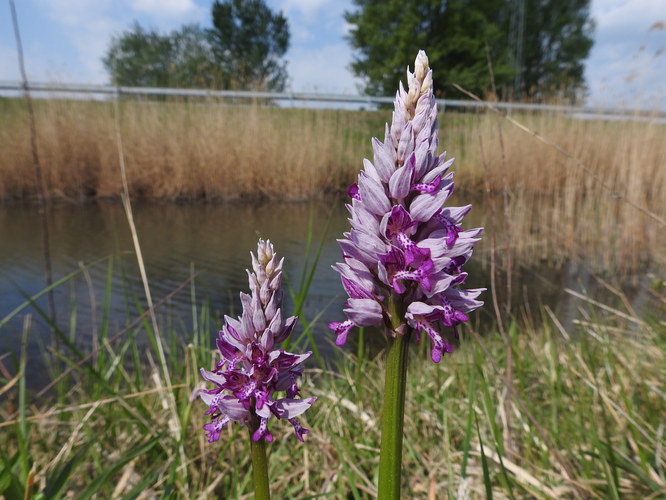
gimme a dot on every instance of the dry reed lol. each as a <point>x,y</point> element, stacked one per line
<point>182,150</point>
<point>197,150</point>
<point>584,206</point>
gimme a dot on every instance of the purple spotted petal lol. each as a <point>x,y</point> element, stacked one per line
<point>426,205</point>
<point>352,192</point>
<point>341,329</point>
<point>364,312</point>
<point>291,408</point>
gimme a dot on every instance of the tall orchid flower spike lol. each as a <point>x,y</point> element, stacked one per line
<point>403,257</point>
<point>404,243</point>
<point>252,369</point>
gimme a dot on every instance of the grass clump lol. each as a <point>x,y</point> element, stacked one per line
<point>587,410</point>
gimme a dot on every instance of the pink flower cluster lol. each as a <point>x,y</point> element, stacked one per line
<point>403,240</point>
<point>253,369</point>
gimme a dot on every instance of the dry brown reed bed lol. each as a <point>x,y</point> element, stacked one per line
<point>556,207</point>
<point>181,151</point>
<point>550,206</point>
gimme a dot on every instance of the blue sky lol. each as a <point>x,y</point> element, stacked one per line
<point>64,41</point>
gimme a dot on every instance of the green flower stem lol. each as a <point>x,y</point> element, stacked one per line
<point>259,469</point>
<point>390,454</point>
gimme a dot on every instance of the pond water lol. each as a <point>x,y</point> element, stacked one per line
<point>213,241</point>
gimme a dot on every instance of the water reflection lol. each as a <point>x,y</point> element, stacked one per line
<point>214,240</point>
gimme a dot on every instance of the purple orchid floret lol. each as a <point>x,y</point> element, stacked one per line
<point>403,241</point>
<point>252,370</point>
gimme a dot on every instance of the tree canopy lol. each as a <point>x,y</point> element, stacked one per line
<point>145,58</point>
<point>248,41</point>
<point>524,48</point>
<point>243,50</point>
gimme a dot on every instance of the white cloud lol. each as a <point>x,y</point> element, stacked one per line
<point>346,28</point>
<point>322,70</point>
<point>315,14</point>
<point>8,63</point>
<point>300,33</point>
<point>168,8</point>
<point>88,26</point>
<point>75,12</point>
<point>622,69</point>
<point>625,19</point>
<point>310,10</point>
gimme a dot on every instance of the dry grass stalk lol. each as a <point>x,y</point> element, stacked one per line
<point>39,177</point>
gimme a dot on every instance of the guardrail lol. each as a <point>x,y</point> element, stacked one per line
<point>307,98</point>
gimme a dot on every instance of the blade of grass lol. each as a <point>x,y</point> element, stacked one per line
<point>495,433</point>
<point>106,314</point>
<point>95,487</point>
<point>142,485</point>
<point>127,205</point>
<point>360,354</point>
<point>351,480</point>
<point>484,464</point>
<point>57,479</point>
<point>308,244</point>
<point>22,424</point>
<point>31,300</point>
<point>10,485</point>
<point>610,478</point>
<point>307,276</point>
<point>471,393</point>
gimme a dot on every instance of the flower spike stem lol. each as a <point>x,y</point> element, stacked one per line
<point>390,454</point>
<point>259,469</point>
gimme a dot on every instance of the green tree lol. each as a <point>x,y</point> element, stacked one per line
<point>474,43</point>
<point>248,42</point>
<point>557,40</point>
<point>145,58</point>
<point>192,59</point>
<point>458,35</point>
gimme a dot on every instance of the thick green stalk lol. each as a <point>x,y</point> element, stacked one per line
<point>259,469</point>
<point>390,454</point>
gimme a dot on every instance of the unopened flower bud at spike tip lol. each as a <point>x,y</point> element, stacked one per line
<point>421,65</point>
<point>405,244</point>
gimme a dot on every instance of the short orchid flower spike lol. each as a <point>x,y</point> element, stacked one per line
<point>253,370</point>
<point>405,245</point>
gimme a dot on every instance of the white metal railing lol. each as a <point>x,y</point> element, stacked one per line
<point>306,99</point>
